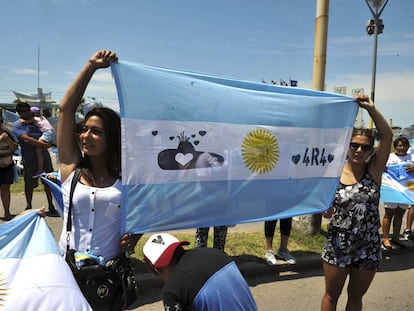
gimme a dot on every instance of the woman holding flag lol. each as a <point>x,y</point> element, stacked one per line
<point>353,245</point>
<point>94,148</point>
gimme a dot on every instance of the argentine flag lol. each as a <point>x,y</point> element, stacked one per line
<point>397,185</point>
<point>200,150</point>
<point>33,274</point>
<point>52,179</point>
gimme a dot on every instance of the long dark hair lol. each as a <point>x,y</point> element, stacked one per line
<point>112,128</point>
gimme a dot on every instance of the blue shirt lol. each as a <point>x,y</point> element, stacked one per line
<point>28,152</point>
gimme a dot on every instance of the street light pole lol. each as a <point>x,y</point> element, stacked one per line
<point>375,27</point>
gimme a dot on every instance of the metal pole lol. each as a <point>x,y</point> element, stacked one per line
<point>376,8</point>
<point>374,59</point>
<point>374,65</point>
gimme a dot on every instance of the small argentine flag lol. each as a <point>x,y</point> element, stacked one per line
<point>33,274</point>
<point>200,150</point>
<point>397,185</point>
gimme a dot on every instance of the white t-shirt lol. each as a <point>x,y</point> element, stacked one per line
<point>96,219</point>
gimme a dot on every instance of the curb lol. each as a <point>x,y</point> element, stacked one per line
<point>253,269</point>
<point>248,269</point>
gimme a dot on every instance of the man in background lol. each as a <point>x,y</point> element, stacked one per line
<point>28,135</point>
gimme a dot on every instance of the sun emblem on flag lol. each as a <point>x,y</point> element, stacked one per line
<point>260,151</point>
<point>3,290</point>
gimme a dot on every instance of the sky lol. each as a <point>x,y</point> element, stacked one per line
<point>244,39</point>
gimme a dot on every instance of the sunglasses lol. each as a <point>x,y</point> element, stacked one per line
<point>355,146</point>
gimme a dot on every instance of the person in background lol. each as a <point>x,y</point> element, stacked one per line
<point>219,240</point>
<point>394,212</point>
<point>408,232</point>
<point>7,146</point>
<point>196,279</point>
<point>48,136</point>
<point>353,245</point>
<point>95,148</point>
<point>283,252</point>
<point>28,135</point>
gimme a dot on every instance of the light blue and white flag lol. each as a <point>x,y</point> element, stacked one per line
<point>397,185</point>
<point>52,179</point>
<point>33,274</point>
<point>201,151</point>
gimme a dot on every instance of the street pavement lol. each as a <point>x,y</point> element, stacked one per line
<point>151,284</point>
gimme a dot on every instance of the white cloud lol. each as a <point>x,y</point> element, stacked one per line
<point>27,71</point>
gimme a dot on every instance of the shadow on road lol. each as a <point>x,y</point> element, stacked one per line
<point>397,260</point>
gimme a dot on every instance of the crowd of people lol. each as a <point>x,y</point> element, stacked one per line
<point>353,245</point>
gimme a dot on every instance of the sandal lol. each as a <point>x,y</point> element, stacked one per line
<point>387,247</point>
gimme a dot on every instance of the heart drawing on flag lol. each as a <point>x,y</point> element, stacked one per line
<point>330,158</point>
<point>186,157</point>
<point>296,158</point>
<point>183,159</point>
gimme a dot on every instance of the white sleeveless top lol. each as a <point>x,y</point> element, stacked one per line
<point>96,219</point>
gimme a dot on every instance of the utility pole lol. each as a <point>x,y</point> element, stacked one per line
<point>321,39</point>
<point>319,69</point>
<point>375,27</point>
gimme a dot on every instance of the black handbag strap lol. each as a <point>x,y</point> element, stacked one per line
<point>76,177</point>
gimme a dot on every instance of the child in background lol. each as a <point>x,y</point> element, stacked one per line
<point>48,135</point>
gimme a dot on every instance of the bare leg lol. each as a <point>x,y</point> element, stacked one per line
<point>335,278</point>
<point>410,218</point>
<point>396,225</point>
<point>28,192</point>
<point>269,243</point>
<point>359,282</point>
<point>284,239</point>
<point>5,199</point>
<point>386,225</point>
<point>40,160</point>
<point>269,229</point>
<point>48,193</point>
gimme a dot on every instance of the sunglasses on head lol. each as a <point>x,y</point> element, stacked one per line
<point>355,146</point>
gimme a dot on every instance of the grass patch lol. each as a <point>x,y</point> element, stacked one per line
<point>18,187</point>
<point>250,246</point>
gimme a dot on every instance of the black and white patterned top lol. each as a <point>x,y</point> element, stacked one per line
<point>353,238</point>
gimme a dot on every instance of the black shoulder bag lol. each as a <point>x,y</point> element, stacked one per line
<point>111,287</point>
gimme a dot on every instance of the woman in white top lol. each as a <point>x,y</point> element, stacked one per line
<point>95,148</point>
<point>394,212</point>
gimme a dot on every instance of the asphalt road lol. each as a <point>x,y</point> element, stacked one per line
<point>301,289</point>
